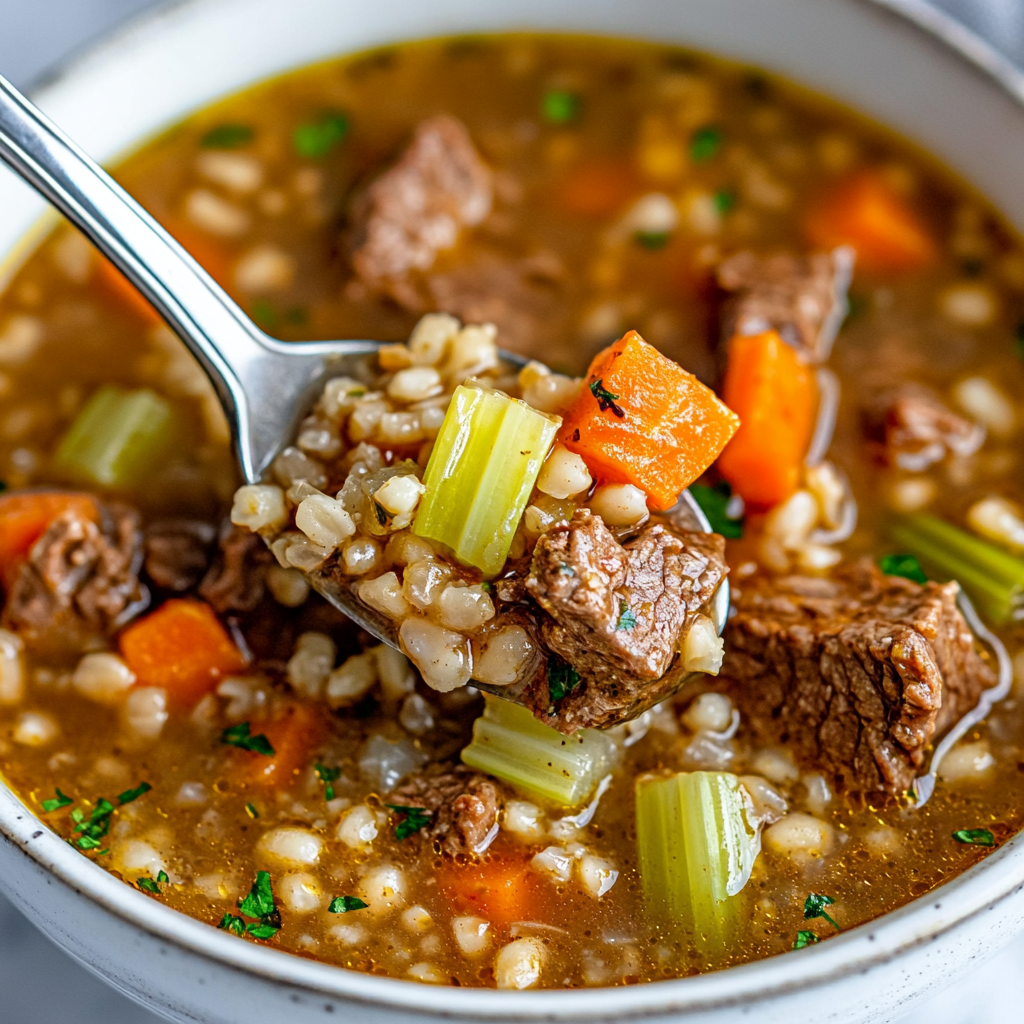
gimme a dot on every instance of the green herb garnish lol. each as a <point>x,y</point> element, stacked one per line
<point>162,876</point>
<point>260,901</point>
<point>317,138</point>
<point>652,240</point>
<point>903,565</point>
<point>627,620</point>
<point>93,828</point>
<point>724,200</point>
<point>61,800</point>
<point>814,906</point>
<point>343,904</point>
<point>714,503</point>
<point>240,736</point>
<point>262,931</point>
<point>605,399</point>
<point>562,678</point>
<point>232,923</point>
<point>328,776</point>
<point>705,144</point>
<point>415,819</point>
<point>381,512</point>
<point>148,885</point>
<point>805,939</point>
<point>975,837</point>
<point>263,314</point>
<point>250,809</point>
<point>133,794</point>
<point>227,136</point>
<point>559,106</point>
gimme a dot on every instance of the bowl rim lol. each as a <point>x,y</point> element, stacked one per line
<point>968,895</point>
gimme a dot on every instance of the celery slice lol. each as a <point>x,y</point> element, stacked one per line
<point>509,743</point>
<point>116,438</point>
<point>480,474</point>
<point>696,847</point>
<point>992,577</point>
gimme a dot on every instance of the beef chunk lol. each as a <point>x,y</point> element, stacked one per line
<point>857,674</point>
<point>913,429</point>
<point>801,297</point>
<point>80,581</point>
<point>464,803</point>
<point>418,207</point>
<point>586,582</point>
<point>178,553</point>
<point>236,581</point>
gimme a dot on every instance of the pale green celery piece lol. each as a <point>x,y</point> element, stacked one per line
<point>992,577</point>
<point>117,437</point>
<point>481,472</point>
<point>697,845</point>
<point>509,743</point>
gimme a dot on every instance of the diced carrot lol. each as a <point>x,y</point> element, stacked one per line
<point>868,214</point>
<point>775,393</point>
<point>124,292</point>
<point>292,735</point>
<point>25,517</point>
<point>181,647</point>
<point>598,188</point>
<point>660,429</point>
<point>499,889</point>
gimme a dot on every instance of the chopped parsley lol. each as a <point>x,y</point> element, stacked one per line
<point>975,837</point>
<point>260,901</point>
<point>856,306</point>
<point>262,931</point>
<point>148,885</point>
<point>415,819</point>
<point>714,503</point>
<point>133,794</point>
<point>724,200</point>
<point>705,144</point>
<point>258,904</point>
<point>92,829</point>
<point>605,399</point>
<point>903,565</point>
<point>805,938</point>
<point>61,800</point>
<point>227,136</point>
<point>814,906</point>
<point>250,809</point>
<point>263,314</point>
<point>562,678</point>
<point>241,736</point>
<point>627,620</point>
<point>162,876</point>
<point>382,513</point>
<point>317,138</point>
<point>652,240</point>
<point>560,106</point>
<point>232,923</point>
<point>343,904</point>
<point>328,776</point>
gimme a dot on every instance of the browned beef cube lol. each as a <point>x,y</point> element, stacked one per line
<point>856,674</point>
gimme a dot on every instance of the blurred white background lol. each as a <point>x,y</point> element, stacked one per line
<point>38,983</point>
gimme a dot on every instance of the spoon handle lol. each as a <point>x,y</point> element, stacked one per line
<point>240,360</point>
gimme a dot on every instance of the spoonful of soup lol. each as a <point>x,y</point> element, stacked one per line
<point>504,526</point>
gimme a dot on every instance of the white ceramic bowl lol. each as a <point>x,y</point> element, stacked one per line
<point>914,70</point>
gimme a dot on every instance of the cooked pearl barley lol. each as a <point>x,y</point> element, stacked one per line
<point>324,521</point>
<point>554,861</point>
<point>358,828</point>
<point>137,858</point>
<point>260,508</point>
<point>473,349</point>
<point>443,657</point>
<point>966,762</point>
<point>360,556</point>
<point>400,494</point>
<point>775,763</point>
<point>102,677</point>
<point>311,663</point>
<point>293,466</point>
<point>790,523</point>
<point>397,678</point>
<point>522,819</point>
<point>423,581</point>
<point>415,384</point>
<point>471,934</point>
<point>502,655</point>
<point>353,680</point>
<point>416,716</point>
<point>384,594</point>
<point>800,834</point>
<point>288,587</point>
<point>404,548</point>
<point>597,875</point>
<point>703,649</point>
<point>912,494</point>
<point>35,729</point>
<point>619,504</point>
<point>563,474</point>
<point>824,482</point>
<point>383,889</point>
<point>818,792</point>
<point>969,304</point>
<point>365,418</point>
<point>348,934</point>
<point>305,555</point>
<point>265,269</point>
<point>463,608</point>
<point>427,974</point>
<point>986,404</point>
<point>338,398</point>
<point>210,212</point>
<point>553,393</point>
<point>144,712</point>
<point>12,668</point>
<point>430,338</point>
<point>402,428</point>
<point>289,847</point>
<point>239,172</point>
<point>710,712</point>
<point>519,964</point>
<point>999,520</point>
<point>818,556</point>
<point>20,338</point>
<point>417,920</point>
<point>300,892</point>
<point>700,212</point>
<point>769,804</point>
<point>537,521</point>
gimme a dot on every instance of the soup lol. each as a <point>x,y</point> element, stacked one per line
<point>179,704</point>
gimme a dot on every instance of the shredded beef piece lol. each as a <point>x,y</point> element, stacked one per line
<point>801,297</point>
<point>236,581</point>
<point>178,553</point>
<point>464,803</point>
<point>857,674</point>
<point>80,581</point>
<point>418,207</point>
<point>914,430</point>
<point>585,581</point>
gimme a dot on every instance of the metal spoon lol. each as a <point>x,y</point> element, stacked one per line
<point>264,385</point>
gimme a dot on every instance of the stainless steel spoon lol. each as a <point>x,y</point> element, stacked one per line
<point>265,386</point>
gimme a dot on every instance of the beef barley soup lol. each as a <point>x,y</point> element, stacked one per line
<point>720,282</point>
